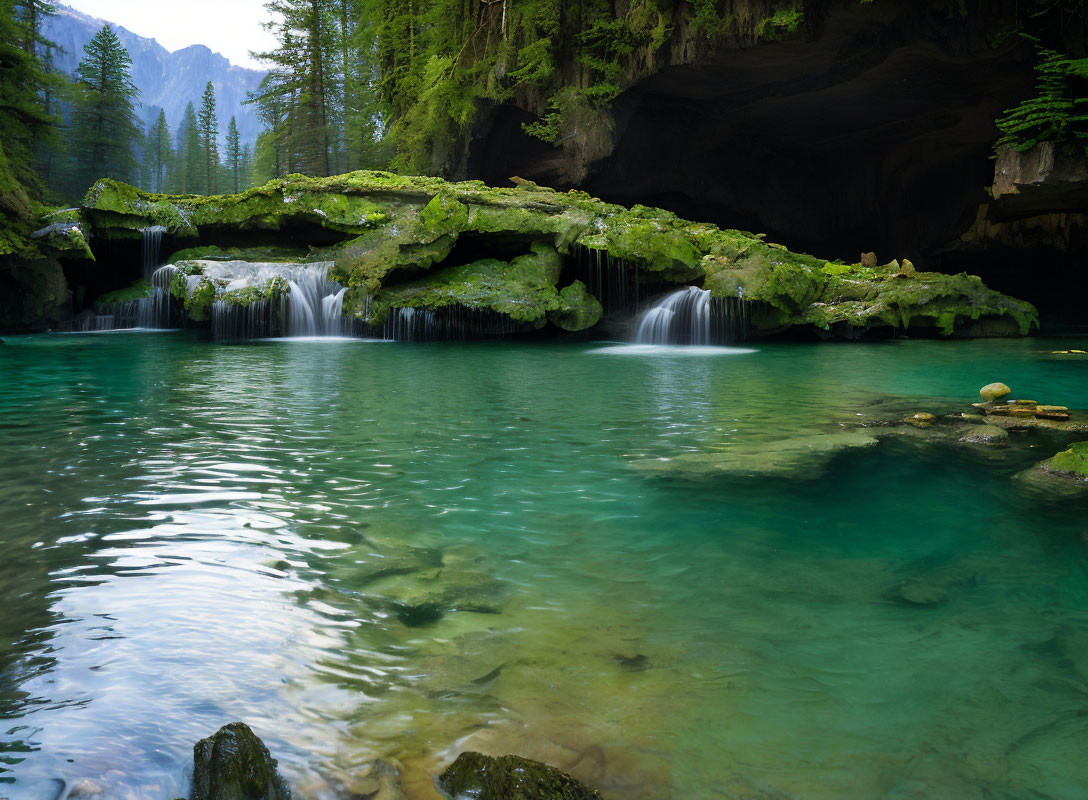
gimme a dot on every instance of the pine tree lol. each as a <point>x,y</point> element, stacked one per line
<point>24,120</point>
<point>104,124</point>
<point>304,81</point>
<point>186,176</point>
<point>270,158</point>
<point>234,156</point>
<point>247,167</point>
<point>208,125</point>
<point>31,13</point>
<point>158,153</point>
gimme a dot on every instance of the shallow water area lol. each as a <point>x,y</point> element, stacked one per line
<point>395,552</point>
<point>699,351</point>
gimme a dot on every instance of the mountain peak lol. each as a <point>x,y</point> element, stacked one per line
<point>166,80</point>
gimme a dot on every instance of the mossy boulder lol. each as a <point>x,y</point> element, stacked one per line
<point>474,776</point>
<point>578,310</point>
<point>235,765</point>
<point>1071,463</point>
<point>401,241</point>
<point>138,290</point>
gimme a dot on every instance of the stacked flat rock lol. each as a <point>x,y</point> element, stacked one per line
<point>995,405</point>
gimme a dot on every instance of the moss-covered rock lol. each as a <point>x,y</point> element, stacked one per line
<point>235,765</point>
<point>578,310</point>
<point>137,291</point>
<point>1072,463</point>
<point>266,253</point>
<point>399,236</point>
<point>523,289</point>
<point>474,776</point>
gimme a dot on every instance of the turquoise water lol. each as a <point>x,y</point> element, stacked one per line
<point>196,533</point>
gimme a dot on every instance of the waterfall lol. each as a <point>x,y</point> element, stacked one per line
<point>450,323</point>
<point>410,325</point>
<point>151,250</point>
<point>313,305</point>
<point>261,319</point>
<point>690,316</point>
<point>613,281</point>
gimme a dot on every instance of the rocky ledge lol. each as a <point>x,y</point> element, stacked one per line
<point>529,253</point>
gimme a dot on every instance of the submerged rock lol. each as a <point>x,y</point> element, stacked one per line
<point>921,419</point>
<point>985,434</point>
<point>235,765</point>
<point>797,457</point>
<point>474,776</point>
<point>1065,474</point>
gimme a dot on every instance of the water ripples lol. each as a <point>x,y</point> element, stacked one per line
<point>390,552</point>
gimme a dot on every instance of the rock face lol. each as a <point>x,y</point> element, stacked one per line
<point>1043,178</point>
<point>474,776</point>
<point>235,765</point>
<point>403,242</point>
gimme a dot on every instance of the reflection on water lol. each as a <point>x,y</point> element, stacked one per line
<point>394,552</point>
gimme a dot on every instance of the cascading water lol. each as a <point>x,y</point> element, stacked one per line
<point>689,316</point>
<point>151,249</point>
<point>682,317</point>
<point>452,323</point>
<point>613,281</point>
<point>311,306</point>
<point>410,325</point>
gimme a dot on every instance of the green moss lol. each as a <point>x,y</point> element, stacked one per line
<point>198,305</point>
<point>578,310</point>
<point>275,289</point>
<point>510,778</point>
<point>523,289</point>
<point>393,223</point>
<point>137,291</point>
<point>269,253</point>
<point>1073,462</point>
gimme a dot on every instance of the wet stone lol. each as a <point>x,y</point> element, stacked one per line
<point>235,765</point>
<point>994,391</point>
<point>474,776</point>
<point>986,434</point>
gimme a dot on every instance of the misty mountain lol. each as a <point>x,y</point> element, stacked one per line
<point>166,80</point>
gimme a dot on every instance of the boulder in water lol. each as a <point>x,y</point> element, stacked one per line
<point>921,419</point>
<point>1072,463</point>
<point>474,776</point>
<point>994,391</point>
<point>235,765</point>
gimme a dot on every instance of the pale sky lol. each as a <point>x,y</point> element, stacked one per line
<point>230,27</point>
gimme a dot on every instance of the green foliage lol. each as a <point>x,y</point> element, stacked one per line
<point>1058,113</point>
<point>782,23</point>
<point>198,305</point>
<point>25,123</point>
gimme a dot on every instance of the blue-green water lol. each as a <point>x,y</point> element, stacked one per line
<point>192,534</point>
